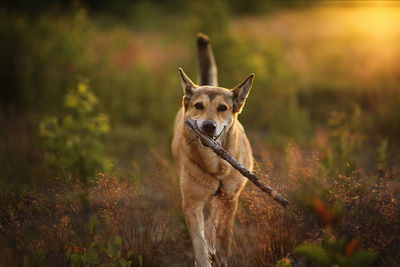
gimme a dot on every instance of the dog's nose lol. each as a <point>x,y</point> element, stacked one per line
<point>209,127</point>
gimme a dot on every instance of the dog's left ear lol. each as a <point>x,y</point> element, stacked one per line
<point>241,92</point>
<point>187,84</point>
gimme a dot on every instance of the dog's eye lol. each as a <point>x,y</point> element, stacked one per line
<point>199,106</point>
<point>222,108</point>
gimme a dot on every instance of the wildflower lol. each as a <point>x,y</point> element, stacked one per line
<point>323,212</point>
<point>352,247</point>
<point>75,249</point>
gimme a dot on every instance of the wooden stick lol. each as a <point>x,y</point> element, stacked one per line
<point>222,153</point>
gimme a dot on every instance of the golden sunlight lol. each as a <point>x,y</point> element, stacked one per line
<point>376,21</point>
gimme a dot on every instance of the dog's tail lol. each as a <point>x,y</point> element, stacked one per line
<point>207,66</point>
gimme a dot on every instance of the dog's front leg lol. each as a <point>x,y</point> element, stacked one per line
<point>211,225</point>
<point>194,197</point>
<point>193,211</point>
<point>227,211</point>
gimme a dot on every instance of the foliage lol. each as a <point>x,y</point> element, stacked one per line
<point>90,256</point>
<point>285,262</point>
<point>346,139</point>
<point>336,253</point>
<point>74,142</point>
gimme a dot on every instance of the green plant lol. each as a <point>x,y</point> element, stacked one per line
<point>347,139</point>
<point>383,154</point>
<point>74,142</point>
<point>334,250</point>
<point>285,262</point>
<point>106,252</point>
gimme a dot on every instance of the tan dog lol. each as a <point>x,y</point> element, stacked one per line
<point>204,177</point>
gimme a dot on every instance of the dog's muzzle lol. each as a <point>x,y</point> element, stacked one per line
<point>209,128</point>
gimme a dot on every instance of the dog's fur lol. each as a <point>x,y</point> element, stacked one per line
<point>204,177</point>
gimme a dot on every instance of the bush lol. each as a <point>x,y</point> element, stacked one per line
<point>74,143</point>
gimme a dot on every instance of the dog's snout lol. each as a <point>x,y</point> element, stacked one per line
<point>209,127</point>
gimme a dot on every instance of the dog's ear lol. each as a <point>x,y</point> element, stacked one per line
<point>187,84</point>
<point>241,92</point>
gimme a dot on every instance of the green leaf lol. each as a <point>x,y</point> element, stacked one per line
<point>315,253</point>
<point>75,260</point>
<point>118,240</point>
<point>40,254</point>
<point>93,244</point>
<point>108,252</point>
<point>140,259</point>
<point>92,223</point>
<point>124,263</point>
<point>90,257</point>
<point>337,246</point>
<point>360,259</point>
<point>285,262</point>
<point>129,254</point>
<point>26,261</point>
<point>113,251</point>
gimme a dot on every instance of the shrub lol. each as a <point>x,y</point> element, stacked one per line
<point>74,142</point>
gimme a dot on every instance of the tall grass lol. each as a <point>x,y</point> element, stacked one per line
<point>143,209</point>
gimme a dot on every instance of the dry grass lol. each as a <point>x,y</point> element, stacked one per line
<point>143,208</point>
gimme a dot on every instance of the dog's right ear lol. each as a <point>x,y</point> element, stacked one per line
<point>187,84</point>
<point>241,92</point>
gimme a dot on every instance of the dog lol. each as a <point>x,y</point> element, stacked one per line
<point>204,177</point>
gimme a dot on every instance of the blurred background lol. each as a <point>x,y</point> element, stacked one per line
<point>89,91</point>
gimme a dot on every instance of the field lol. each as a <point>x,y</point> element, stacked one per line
<point>89,92</point>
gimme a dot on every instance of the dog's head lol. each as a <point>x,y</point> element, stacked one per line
<point>214,108</point>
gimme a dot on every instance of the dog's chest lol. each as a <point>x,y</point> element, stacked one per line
<point>213,164</point>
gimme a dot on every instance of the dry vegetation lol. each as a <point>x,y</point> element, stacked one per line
<point>42,227</point>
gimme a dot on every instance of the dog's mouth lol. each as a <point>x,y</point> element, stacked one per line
<point>211,136</point>
<point>203,144</point>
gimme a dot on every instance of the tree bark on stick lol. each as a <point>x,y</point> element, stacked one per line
<point>222,153</point>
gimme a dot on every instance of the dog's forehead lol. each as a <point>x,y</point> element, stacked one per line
<point>213,93</point>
